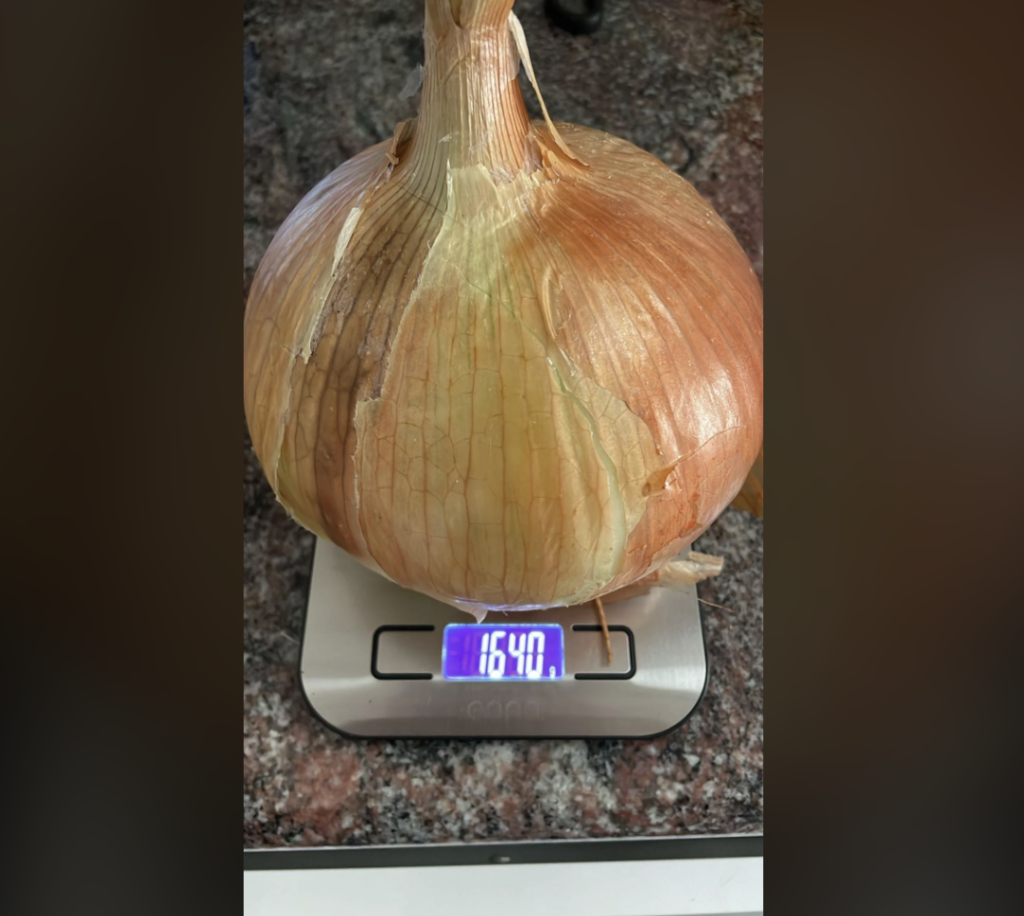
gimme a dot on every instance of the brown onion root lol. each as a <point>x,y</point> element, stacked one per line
<point>604,628</point>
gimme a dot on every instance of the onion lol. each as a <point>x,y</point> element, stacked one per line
<point>510,365</point>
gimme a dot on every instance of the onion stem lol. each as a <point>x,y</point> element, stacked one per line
<point>604,627</point>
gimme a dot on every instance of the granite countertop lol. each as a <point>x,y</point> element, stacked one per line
<point>680,78</point>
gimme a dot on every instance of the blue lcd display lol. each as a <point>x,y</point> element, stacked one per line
<point>503,652</point>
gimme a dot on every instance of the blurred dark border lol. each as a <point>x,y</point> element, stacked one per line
<point>122,350</point>
<point>894,377</point>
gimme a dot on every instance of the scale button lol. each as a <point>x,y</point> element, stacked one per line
<point>405,653</point>
<point>587,658</point>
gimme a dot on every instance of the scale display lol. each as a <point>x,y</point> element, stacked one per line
<point>503,652</point>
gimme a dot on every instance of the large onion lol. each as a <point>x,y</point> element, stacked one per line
<point>508,364</point>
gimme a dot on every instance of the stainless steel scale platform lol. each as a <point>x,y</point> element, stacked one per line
<point>371,664</point>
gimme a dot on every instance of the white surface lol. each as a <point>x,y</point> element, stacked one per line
<point>675,887</point>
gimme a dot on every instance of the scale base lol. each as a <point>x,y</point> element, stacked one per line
<point>371,664</point>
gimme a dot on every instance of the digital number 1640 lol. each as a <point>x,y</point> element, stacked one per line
<point>527,649</point>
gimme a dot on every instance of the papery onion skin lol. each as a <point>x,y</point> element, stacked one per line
<point>501,375</point>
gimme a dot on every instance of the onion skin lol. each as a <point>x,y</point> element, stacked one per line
<point>751,496</point>
<point>508,364</point>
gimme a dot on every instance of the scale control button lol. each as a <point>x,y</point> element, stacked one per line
<point>405,653</point>
<point>587,658</point>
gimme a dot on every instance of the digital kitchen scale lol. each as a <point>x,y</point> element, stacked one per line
<point>381,661</point>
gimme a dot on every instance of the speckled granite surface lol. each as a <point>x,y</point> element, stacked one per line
<point>681,78</point>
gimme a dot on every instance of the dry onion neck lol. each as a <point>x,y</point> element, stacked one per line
<point>471,109</point>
